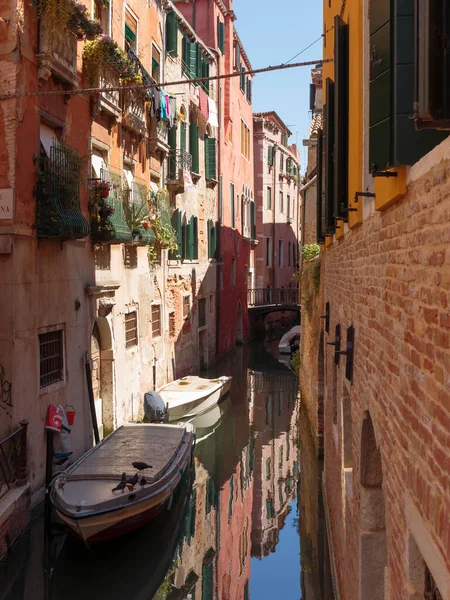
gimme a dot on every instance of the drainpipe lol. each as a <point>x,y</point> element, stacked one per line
<point>219,267</point>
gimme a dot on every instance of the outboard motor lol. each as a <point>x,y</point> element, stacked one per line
<point>154,408</point>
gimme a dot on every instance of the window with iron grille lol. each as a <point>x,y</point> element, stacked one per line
<point>202,312</point>
<point>51,357</point>
<point>172,326</point>
<point>131,333</point>
<point>156,320</point>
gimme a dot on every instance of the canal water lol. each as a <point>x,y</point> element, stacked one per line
<point>238,529</point>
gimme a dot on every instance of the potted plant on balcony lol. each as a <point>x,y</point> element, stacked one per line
<point>80,23</point>
<point>104,51</point>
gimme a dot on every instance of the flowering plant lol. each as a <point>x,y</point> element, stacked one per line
<point>80,23</point>
<point>105,51</point>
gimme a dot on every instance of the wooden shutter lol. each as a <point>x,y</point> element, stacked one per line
<point>193,146</point>
<point>172,141</point>
<point>205,73</point>
<point>185,55</point>
<point>249,89</point>
<point>319,233</point>
<point>253,220</point>
<point>210,158</point>
<point>341,118</point>
<point>312,97</point>
<point>380,84</point>
<point>176,224</point>
<point>221,35</point>
<point>190,237</point>
<point>192,59</point>
<point>195,234</point>
<point>328,113</point>
<point>172,34</point>
<point>199,61</point>
<point>270,156</point>
<point>242,79</point>
<point>183,136</point>
<point>237,63</point>
<point>233,215</point>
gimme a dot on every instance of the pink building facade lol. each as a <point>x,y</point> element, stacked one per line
<point>213,21</point>
<point>277,197</point>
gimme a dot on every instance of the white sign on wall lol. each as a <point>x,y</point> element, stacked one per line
<point>6,203</point>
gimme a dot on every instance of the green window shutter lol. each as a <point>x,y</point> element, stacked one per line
<point>199,62</point>
<point>233,215</point>
<point>192,54</point>
<point>205,73</point>
<point>270,156</point>
<point>176,224</point>
<point>183,136</point>
<point>209,227</point>
<point>341,117</point>
<point>320,234</point>
<point>130,36</point>
<point>249,89</point>
<point>191,239</point>
<point>253,219</point>
<point>221,35</point>
<point>328,113</point>
<point>242,79</point>
<point>268,474</point>
<point>208,581</point>
<point>172,34</point>
<point>210,158</point>
<point>172,142</point>
<point>281,161</point>
<point>195,238</point>
<point>193,146</point>
<point>185,54</point>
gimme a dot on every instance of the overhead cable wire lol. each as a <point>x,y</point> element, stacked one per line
<point>310,45</point>
<point>165,84</point>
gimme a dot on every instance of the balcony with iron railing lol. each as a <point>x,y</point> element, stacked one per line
<point>140,213</point>
<point>179,164</point>
<point>109,210</point>
<point>134,100</point>
<point>13,459</point>
<point>58,180</point>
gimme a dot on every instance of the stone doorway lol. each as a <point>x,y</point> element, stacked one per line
<point>102,361</point>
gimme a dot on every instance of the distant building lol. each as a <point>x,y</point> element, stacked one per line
<point>277,170</point>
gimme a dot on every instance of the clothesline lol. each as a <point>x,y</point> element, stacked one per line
<point>143,87</point>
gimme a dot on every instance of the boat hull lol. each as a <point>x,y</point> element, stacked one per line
<point>199,406</point>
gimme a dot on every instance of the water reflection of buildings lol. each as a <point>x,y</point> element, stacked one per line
<point>245,481</point>
<point>276,464</point>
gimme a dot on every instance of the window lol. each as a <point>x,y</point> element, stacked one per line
<point>237,56</point>
<point>270,154</point>
<point>51,357</point>
<point>130,259</point>
<point>245,140</point>
<point>131,333</point>
<point>233,271</point>
<point>249,90</point>
<point>131,26</point>
<point>172,34</point>
<point>268,252</point>
<point>280,457</point>
<point>221,35</point>
<point>156,320</point>
<point>269,198</point>
<point>288,206</point>
<point>193,145</point>
<point>280,253</point>
<point>281,162</point>
<point>202,312</point>
<point>210,158</point>
<point>186,307</point>
<point>268,474</point>
<point>156,61</point>
<point>102,14</point>
<point>269,508</point>
<point>281,202</point>
<point>232,205</point>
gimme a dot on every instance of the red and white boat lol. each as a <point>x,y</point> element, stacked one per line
<point>103,495</point>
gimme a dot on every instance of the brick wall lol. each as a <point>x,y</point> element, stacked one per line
<point>390,278</point>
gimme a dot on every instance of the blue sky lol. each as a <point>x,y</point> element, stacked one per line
<point>272,33</point>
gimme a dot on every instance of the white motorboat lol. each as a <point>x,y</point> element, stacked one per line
<point>191,395</point>
<point>284,346</point>
<point>113,489</point>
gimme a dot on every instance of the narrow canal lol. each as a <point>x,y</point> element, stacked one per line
<point>247,523</point>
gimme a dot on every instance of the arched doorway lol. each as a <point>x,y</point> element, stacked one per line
<point>372,550</point>
<point>102,361</point>
<point>239,327</point>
